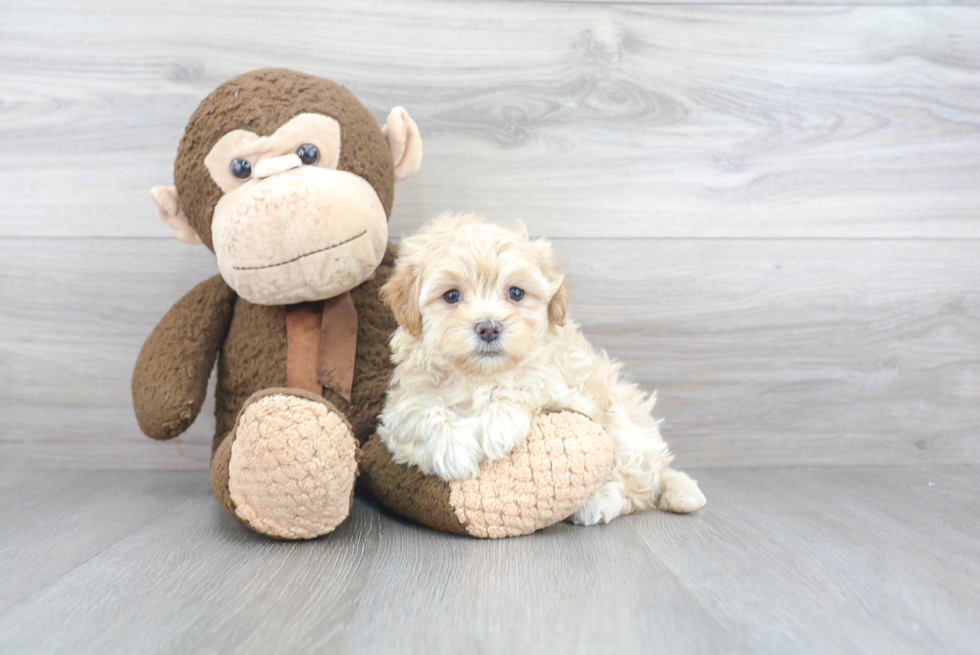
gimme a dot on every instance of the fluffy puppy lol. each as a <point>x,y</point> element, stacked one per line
<point>485,345</point>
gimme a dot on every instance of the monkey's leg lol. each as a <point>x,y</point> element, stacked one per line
<point>287,469</point>
<point>541,482</point>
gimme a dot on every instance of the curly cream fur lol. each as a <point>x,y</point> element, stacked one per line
<point>455,401</point>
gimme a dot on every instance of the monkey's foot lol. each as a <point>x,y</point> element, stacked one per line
<point>288,468</point>
<point>544,480</point>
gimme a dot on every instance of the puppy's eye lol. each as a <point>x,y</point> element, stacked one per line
<point>515,294</point>
<point>452,296</point>
<point>241,169</point>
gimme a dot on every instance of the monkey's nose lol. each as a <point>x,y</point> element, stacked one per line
<point>488,330</point>
<point>276,165</point>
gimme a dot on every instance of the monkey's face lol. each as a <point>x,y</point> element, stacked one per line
<point>290,180</point>
<point>291,227</point>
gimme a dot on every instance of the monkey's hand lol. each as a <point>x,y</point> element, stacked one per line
<point>172,371</point>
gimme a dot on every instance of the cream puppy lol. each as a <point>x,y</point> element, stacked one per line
<point>485,345</point>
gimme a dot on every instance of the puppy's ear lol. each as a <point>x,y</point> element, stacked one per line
<point>559,304</point>
<point>401,293</point>
<point>520,230</point>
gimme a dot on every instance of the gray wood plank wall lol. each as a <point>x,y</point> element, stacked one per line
<point>770,212</point>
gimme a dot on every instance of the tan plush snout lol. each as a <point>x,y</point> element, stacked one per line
<point>276,165</point>
<point>300,234</point>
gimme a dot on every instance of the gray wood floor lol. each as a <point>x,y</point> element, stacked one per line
<point>770,211</point>
<point>782,560</point>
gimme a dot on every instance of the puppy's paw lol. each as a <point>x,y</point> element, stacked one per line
<point>452,463</point>
<point>452,452</point>
<point>607,503</point>
<point>502,430</point>
<point>679,493</point>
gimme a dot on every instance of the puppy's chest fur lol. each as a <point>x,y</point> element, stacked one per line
<point>533,391</point>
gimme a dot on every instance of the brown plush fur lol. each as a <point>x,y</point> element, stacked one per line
<point>171,376</point>
<point>172,370</point>
<point>405,490</point>
<point>253,357</point>
<point>260,101</point>
<point>220,459</point>
<point>249,341</point>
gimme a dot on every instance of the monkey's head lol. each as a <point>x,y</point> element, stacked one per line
<point>290,181</point>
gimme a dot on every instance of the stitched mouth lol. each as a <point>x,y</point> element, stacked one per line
<point>295,259</point>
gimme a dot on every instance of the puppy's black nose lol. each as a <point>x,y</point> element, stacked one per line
<point>488,330</point>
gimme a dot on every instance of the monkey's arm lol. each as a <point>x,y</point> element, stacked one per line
<point>172,371</point>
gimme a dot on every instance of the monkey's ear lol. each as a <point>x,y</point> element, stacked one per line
<point>167,202</point>
<point>404,141</point>
<point>401,293</point>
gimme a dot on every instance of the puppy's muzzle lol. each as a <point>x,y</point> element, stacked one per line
<point>488,330</point>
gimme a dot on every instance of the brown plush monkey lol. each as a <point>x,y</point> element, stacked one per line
<point>290,181</point>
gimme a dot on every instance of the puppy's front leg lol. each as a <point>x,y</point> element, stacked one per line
<point>453,450</point>
<point>503,426</point>
<point>433,438</point>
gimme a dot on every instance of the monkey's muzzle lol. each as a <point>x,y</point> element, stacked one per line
<point>301,235</point>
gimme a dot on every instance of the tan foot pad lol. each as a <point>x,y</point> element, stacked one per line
<point>292,468</point>
<point>549,476</point>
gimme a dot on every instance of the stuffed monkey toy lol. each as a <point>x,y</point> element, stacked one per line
<point>288,179</point>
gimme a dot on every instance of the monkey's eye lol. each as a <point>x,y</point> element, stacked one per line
<point>452,296</point>
<point>241,169</point>
<point>308,154</point>
<point>516,294</point>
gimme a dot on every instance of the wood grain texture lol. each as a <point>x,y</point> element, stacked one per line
<point>849,351</point>
<point>855,3</point>
<point>581,119</point>
<point>818,549</point>
<point>870,560</point>
<point>763,351</point>
<point>769,211</point>
<point>54,520</point>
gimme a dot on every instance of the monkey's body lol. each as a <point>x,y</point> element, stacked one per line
<point>290,181</point>
<point>250,344</point>
<point>252,363</point>
<point>253,358</point>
